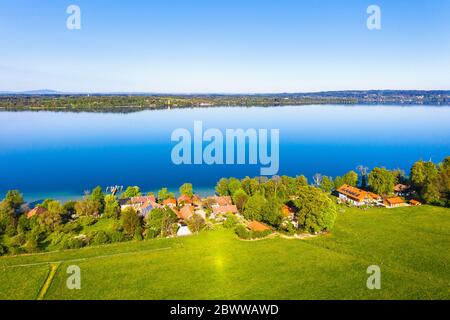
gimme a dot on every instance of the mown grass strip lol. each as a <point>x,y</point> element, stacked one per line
<point>53,268</point>
<point>89,258</point>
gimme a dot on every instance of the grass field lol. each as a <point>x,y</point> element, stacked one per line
<point>411,246</point>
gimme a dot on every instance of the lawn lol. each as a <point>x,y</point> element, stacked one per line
<point>411,246</point>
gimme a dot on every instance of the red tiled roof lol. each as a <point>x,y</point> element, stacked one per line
<point>185,213</point>
<point>36,212</point>
<point>225,209</point>
<point>394,201</point>
<point>357,194</point>
<point>170,201</point>
<point>257,226</point>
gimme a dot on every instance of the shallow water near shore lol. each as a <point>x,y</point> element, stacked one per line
<point>62,154</point>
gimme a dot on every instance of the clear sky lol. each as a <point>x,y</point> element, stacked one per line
<point>191,46</point>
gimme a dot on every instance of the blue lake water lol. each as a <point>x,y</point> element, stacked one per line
<point>60,154</point>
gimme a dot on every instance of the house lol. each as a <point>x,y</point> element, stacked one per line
<point>36,212</point>
<point>225,209</point>
<point>186,212</point>
<point>356,196</point>
<point>257,226</point>
<point>415,202</point>
<point>183,231</point>
<point>184,200</point>
<point>217,201</point>
<point>196,201</point>
<point>288,212</point>
<point>402,190</point>
<point>143,205</point>
<point>171,203</point>
<point>394,202</point>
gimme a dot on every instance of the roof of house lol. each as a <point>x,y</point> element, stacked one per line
<point>257,226</point>
<point>185,213</point>
<point>415,202</point>
<point>394,201</point>
<point>185,199</point>
<point>356,193</point>
<point>401,187</point>
<point>36,212</point>
<point>196,199</point>
<point>142,199</point>
<point>287,211</point>
<point>170,201</point>
<point>225,209</point>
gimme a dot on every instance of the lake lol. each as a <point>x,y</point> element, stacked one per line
<point>61,154</point>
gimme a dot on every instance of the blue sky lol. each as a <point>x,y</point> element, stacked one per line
<point>224,46</point>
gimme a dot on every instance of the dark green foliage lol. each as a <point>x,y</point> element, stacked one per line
<point>130,221</point>
<point>316,210</point>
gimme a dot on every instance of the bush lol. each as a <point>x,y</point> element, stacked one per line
<point>116,236</point>
<point>3,250</point>
<point>151,233</point>
<point>231,221</point>
<point>71,242</point>
<point>100,237</point>
<point>246,234</point>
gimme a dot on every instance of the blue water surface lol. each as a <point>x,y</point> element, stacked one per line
<point>62,154</point>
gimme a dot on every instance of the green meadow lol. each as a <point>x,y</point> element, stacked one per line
<point>411,245</point>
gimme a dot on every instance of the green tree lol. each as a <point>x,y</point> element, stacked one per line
<point>86,207</point>
<point>196,223</point>
<point>112,207</point>
<point>250,186</point>
<point>131,192</point>
<point>161,222</point>
<point>187,190</point>
<point>382,181</point>
<point>222,187</point>
<point>240,199</point>
<point>51,218</point>
<point>233,185</point>
<point>14,200</point>
<point>130,221</point>
<point>164,194</point>
<point>327,184</point>
<point>272,212</point>
<point>99,198</point>
<point>350,178</point>
<point>254,207</point>
<point>316,210</point>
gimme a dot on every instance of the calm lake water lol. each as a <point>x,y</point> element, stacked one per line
<point>59,154</point>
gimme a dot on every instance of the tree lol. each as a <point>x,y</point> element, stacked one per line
<point>382,181</point>
<point>350,178</point>
<point>250,186</point>
<point>130,221</point>
<point>51,218</point>
<point>14,200</point>
<point>196,223</point>
<point>254,207</point>
<point>272,212</point>
<point>316,210</point>
<point>363,172</point>
<point>222,187</point>
<point>112,207</point>
<point>427,179</point>
<point>327,184</point>
<point>131,192</point>
<point>240,199</point>
<point>163,194</point>
<point>99,198</point>
<point>86,207</point>
<point>233,185</point>
<point>161,222</point>
<point>187,190</point>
